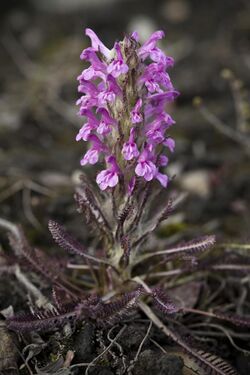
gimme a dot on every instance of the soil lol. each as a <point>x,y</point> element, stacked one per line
<point>39,159</point>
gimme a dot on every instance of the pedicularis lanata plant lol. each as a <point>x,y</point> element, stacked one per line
<point>125,92</point>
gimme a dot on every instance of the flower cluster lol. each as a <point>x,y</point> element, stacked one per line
<point>125,91</point>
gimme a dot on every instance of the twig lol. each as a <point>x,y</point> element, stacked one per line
<point>169,333</point>
<point>105,350</point>
<point>133,362</point>
<point>80,266</point>
<point>228,334</point>
<point>224,129</point>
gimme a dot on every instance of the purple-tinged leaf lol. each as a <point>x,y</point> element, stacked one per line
<point>40,320</point>
<point>67,242</point>
<point>187,248</point>
<point>35,257</point>
<point>213,364</point>
<point>119,308</point>
<point>235,319</point>
<point>163,303</point>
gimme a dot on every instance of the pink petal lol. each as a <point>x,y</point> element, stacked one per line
<point>162,178</point>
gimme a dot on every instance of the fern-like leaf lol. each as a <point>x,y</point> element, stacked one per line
<point>88,205</point>
<point>166,212</point>
<point>44,320</point>
<point>163,303</point>
<point>34,257</point>
<point>152,225</point>
<point>235,319</point>
<point>213,364</point>
<point>116,310</point>
<point>67,242</point>
<point>41,320</point>
<point>183,249</point>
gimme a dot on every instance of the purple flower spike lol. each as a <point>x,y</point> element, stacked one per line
<point>126,91</point>
<point>108,177</point>
<point>136,115</point>
<point>130,150</point>
<point>117,66</point>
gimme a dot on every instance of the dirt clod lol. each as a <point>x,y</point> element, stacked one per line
<point>156,363</point>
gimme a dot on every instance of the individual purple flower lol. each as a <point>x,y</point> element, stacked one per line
<point>96,69</point>
<point>149,49</point>
<point>145,167</point>
<point>97,44</point>
<point>156,79</point>
<point>155,132</point>
<point>85,102</point>
<point>87,87</point>
<point>106,123</point>
<point>109,93</point>
<point>129,149</point>
<point>150,45</point>
<point>117,66</point>
<point>87,128</point>
<point>110,176</point>
<point>92,155</point>
<point>135,114</point>
<point>85,132</point>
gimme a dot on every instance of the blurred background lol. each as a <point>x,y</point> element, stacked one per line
<point>40,44</point>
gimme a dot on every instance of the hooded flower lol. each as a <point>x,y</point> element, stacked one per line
<point>145,166</point>
<point>110,176</point>
<point>135,114</point>
<point>92,155</point>
<point>130,150</point>
<point>117,66</point>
